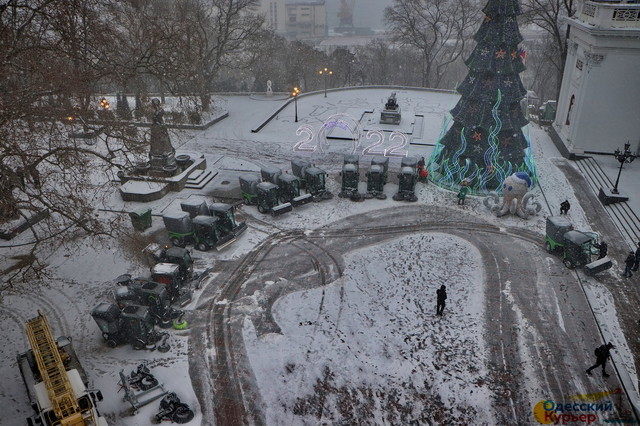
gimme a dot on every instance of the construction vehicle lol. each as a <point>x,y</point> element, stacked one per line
<point>576,248</point>
<point>270,174</point>
<point>151,294</point>
<point>165,254</point>
<point>133,324</point>
<point>407,179</point>
<point>267,200</point>
<point>375,182</point>
<point>248,183</point>
<point>350,182</point>
<point>297,168</point>
<point>316,183</point>
<point>203,233</point>
<point>56,383</point>
<point>180,228</point>
<point>289,190</point>
<point>194,207</point>
<point>391,112</point>
<point>209,233</point>
<point>288,186</point>
<point>384,163</point>
<point>225,213</point>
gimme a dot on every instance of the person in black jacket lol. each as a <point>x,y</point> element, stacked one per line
<point>602,355</point>
<point>564,207</point>
<point>637,261</point>
<point>628,262</point>
<point>441,293</point>
<point>603,249</point>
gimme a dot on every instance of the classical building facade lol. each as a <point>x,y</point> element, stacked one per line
<point>599,102</point>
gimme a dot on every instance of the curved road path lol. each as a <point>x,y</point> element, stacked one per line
<point>533,304</point>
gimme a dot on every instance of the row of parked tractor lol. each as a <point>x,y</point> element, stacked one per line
<point>275,192</point>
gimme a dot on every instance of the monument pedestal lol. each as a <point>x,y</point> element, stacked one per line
<point>607,197</point>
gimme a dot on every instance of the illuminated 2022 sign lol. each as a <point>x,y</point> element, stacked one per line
<point>376,140</point>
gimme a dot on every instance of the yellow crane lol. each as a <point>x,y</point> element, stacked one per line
<point>69,404</point>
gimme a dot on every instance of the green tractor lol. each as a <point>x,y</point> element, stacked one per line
<point>375,182</point>
<point>316,183</point>
<point>248,183</point>
<point>165,254</point>
<point>350,178</point>
<point>576,248</point>
<point>384,163</point>
<point>289,189</point>
<point>297,168</point>
<point>350,182</point>
<point>288,186</point>
<point>226,214</point>
<point>407,179</point>
<point>151,294</point>
<point>133,324</point>
<point>169,275</point>
<point>267,196</point>
<point>179,227</point>
<point>211,232</point>
<point>194,207</point>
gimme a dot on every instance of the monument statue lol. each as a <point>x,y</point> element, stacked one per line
<point>161,152</point>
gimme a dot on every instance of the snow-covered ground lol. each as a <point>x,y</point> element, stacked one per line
<point>368,312</point>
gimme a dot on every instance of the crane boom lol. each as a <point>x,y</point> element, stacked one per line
<point>53,373</point>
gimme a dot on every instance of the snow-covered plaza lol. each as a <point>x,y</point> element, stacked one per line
<point>328,312</point>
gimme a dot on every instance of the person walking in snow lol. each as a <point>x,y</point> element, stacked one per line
<point>564,207</point>
<point>628,264</point>
<point>602,355</point>
<point>636,263</point>
<point>441,294</point>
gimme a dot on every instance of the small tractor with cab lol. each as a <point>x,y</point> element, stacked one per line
<point>350,178</point>
<point>288,186</point>
<point>577,248</point>
<point>268,200</point>
<point>407,179</point>
<point>133,324</point>
<point>375,182</point>
<point>316,183</point>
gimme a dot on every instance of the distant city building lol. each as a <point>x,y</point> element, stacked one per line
<point>305,20</point>
<point>274,13</point>
<point>599,99</point>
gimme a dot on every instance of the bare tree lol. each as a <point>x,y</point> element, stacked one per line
<point>436,28</point>
<point>548,15</point>
<point>52,52</point>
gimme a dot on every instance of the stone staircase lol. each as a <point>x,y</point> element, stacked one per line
<point>624,218</point>
<point>198,179</point>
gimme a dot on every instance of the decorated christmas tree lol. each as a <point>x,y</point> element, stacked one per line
<point>485,142</point>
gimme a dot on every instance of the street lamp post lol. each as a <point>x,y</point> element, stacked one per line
<point>326,72</point>
<point>622,157</point>
<point>295,93</point>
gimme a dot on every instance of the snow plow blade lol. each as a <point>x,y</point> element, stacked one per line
<point>239,229</point>
<point>598,266</point>
<point>281,209</point>
<point>302,199</point>
<point>225,241</point>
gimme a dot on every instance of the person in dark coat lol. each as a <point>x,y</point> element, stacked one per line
<point>628,262</point>
<point>441,293</point>
<point>462,194</point>
<point>602,355</point>
<point>603,249</point>
<point>636,263</point>
<point>564,207</point>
